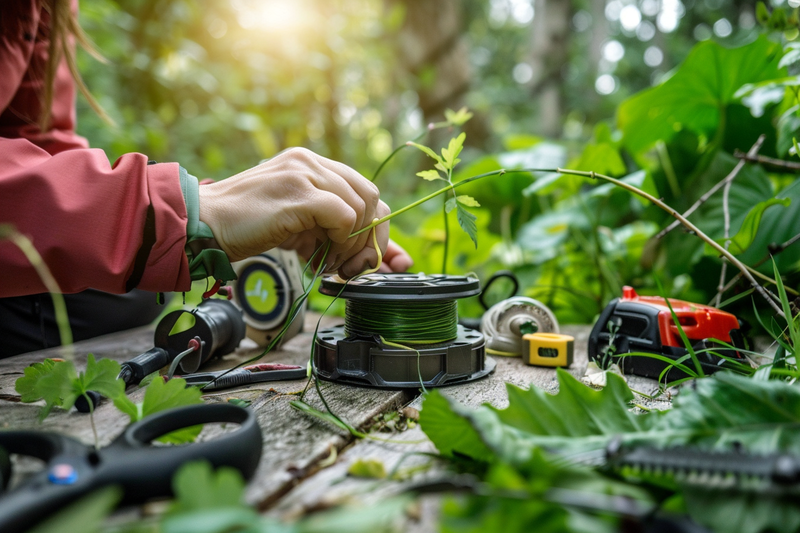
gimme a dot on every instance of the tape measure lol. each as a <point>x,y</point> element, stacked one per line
<point>548,349</point>
<point>505,323</point>
<point>268,284</point>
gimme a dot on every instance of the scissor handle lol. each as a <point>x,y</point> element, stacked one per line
<point>130,462</point>
<point>240,449</point>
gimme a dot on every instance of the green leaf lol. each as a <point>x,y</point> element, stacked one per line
<point>377,517</point>
<point>602,158</point>
<point>762,14</point>
<point>571,411</point>
<point>791,55</point>
<point>430,175</point>
<point>27,385</point>
<point>741,513</point>
<point>467,222</point>
<point>161,395</point>
<point>778,225</point>
<point>211,501</point>
<point>369,468</point>
<point>450,154</point>
<point>197,486</point>
<point>467,200</point>
<point>457,118</point>
<point>101,376</point>
<point>240,402</point>
<point>747,232</point>
<point>85,515</point>
<point>791,319</point>
<point>430,153</point>
<point>449,205</point>
<point>696,94</point>
<point>303,407</point>
<point>57,386</point>
<point>722,412</point>
<point>220,520</point>
<point>450,432</point>
<point>126,405</point>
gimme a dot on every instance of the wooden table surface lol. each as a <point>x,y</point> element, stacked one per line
<point>304,461</point>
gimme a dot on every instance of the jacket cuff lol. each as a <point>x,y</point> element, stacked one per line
<point>202,251</point>
<point>167,268</point>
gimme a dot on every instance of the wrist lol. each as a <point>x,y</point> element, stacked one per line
<point>205,256</point>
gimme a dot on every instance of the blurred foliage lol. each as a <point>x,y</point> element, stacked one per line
<point>660,92</point>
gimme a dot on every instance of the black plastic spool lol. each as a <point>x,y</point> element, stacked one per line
<point>367,361</point>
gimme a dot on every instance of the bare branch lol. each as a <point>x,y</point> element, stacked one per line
<point>703,199</point>
<point>691,227</point>
<point>769,161</point>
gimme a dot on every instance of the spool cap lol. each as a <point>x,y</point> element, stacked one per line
<point>402,285</point>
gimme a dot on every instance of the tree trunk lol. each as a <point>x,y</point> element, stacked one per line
<point>548,58</point>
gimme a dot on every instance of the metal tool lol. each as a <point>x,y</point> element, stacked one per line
<point>267,286</point>
<point>218,328</point>
<point>732,470</point>
<point>636,323</point>
<point>506,322</point>
<point>143,472</point>
<point>247,375</point>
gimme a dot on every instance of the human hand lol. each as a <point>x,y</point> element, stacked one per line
<point>395,259</point>
<point>296,200</point>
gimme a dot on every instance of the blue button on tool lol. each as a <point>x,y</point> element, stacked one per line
<point>62,474</point>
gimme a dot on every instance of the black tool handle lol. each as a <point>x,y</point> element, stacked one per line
<point>243,376</point>
<point>497,275</point>
<point>135,370</point>
<point>38,497</point>
<point>130,462</point>
<point>124,460</point>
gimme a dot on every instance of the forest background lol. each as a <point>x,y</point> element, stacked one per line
<point>219,86</point>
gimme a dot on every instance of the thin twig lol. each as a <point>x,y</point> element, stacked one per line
<point>703,199</point>
<point>774,249</point>
<point>498,172</point>
<point>770,161</point>
<point>738,264</point>
<point>726,218</point>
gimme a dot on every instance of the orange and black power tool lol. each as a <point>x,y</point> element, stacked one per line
<point>636,323</point>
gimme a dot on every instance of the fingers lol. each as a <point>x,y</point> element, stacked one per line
<point>295,200</point>
<point>396,258</point>
<point>367,256</point>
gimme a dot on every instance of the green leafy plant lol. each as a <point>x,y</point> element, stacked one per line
<point>60,385</point>
<point>723,412</point>
<point>212,501</point>
<point>158,396</point>
<point>443,170</point>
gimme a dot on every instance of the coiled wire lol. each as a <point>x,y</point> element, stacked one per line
<point>403,321</point>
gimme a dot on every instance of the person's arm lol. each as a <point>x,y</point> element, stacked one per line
<point>95,225</point>
<point>19,22</point>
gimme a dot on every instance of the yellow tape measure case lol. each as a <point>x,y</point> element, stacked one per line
<point>548,349</point>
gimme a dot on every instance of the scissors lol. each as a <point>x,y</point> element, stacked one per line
<point>259,373</point>
<point>141,470</point>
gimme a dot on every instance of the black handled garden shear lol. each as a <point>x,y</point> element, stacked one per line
<point>141,470</point>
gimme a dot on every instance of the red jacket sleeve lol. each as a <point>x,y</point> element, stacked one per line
<point>86,219</point>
